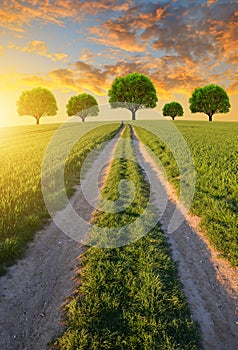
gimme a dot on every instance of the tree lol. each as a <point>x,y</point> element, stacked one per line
<point>209,99</point>
<point>38,102</point>
<point>133,91</point>
<point>173,109</point>
<point>83,105</point>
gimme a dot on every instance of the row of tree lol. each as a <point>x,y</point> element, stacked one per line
<point>134,91</point>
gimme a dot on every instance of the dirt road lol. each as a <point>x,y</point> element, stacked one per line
<point>210,284</point>
<point>33,291</point>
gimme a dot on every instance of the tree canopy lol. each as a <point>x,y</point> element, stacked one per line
<point>209,99</point>
<point>133,91</point>
<point>173,109</point>
<point>38,102</point>
<point>83,105</point>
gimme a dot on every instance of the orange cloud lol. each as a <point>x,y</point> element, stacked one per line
<point>92,78</point>
<point>228,39</point>
<point>210,2</point>
<point>116,35</point>
<point>15,15</point>
<point>233,89</point>
<point>40,48</point>
<point>122,32</point>
<point>93,7</point>
<point>145,20</point>
<point>80,78</point>
<point>36,46</point>
<point>171,75</point>
<point>87,55</point>
<point>64,79</point>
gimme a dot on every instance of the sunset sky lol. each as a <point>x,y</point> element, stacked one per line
<point>72,46</point>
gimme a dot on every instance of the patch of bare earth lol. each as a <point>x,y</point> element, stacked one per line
<point>33,290</point>
<point>209,282</point>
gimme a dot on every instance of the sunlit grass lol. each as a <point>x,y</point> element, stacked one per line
<point>22,208</point>
<point>214,148</point>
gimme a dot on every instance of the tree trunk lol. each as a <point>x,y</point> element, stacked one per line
<point>172,117</point>
<point>83,119</point>
<point>210,117</point>
<point>133,115</point>
<point>37,120</point>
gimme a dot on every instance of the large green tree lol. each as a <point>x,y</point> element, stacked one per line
<point>38,102</point>
<point>83,105</point>
<point>133,91</point>
<point>209,99</point>
<point>173,109</point>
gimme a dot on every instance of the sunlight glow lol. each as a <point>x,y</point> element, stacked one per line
<point>7,108</point>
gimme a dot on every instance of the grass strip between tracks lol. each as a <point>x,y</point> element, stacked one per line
<point>128,297</point>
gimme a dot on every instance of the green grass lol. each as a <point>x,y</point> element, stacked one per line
<point>22,208</point>
<point>127,297</point>
<point>214,148</point>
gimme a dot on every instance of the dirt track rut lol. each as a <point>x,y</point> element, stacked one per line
<point>33,290</point>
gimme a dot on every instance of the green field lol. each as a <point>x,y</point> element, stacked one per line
<point>214,148</point>
<point>22,208</point>
<point>128,297</point>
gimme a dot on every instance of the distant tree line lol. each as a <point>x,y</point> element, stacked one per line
<point>134,91</point>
